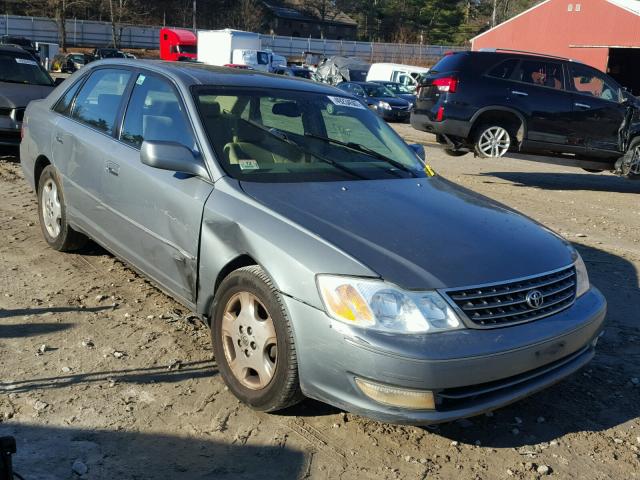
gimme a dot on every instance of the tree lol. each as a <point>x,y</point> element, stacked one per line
<point>60,8</point>
<point>120,13</point>
<point>246,15</point>
<point>323,10</point>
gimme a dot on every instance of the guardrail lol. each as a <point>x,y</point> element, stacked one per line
<point>87,33</point>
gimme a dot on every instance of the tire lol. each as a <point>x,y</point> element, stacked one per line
<point>454,153</point>
<point>52,213</point>
<point>484,145</point>
<point>592,170</point>
<point>255,351</point>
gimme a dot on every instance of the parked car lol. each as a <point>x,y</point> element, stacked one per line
<point>399,90</point>
<point>102,53</point>
<point>408,75</point>
<point>22,42</point>
<point>294,71</point>
<point>380,99</point>
<point>70,62</point>
<point>494,102</point>
<point>22,79</point>
<point>329,260</point>
<point>129,55</point>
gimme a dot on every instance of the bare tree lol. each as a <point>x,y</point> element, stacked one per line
<point>247,15</point>
<point>324,10</point>
<point>59,8</point>
<point>122,12</point>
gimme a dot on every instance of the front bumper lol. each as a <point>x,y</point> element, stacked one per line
<point>470,371</point>
<point>10,130</point>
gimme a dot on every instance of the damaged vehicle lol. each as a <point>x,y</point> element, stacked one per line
<point>333,70</point>
<point>328,259</point>
<point>554,109</point>
<point>22,79</point>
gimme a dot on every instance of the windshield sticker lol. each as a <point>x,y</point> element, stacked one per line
<point>140,80</point>
<point>25,61</point>
<point>248,165</point>
<point>346,102</point>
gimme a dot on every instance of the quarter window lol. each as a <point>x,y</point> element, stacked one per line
<point>155,113</point>
<point>504,69</point>
<point>588,81</point>
<point>545,74</point>
<point>65,103</point>
<point>99,99</point>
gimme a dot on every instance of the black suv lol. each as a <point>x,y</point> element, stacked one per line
<point>492,102</point>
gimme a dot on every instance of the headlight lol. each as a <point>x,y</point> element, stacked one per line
<point>582,277</point>
<point>380,306</point>
<point>384,105</point>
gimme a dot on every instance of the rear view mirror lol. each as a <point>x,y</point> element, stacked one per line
<point>419,150</point>
<point>287,109</point>
<point>171,156</point>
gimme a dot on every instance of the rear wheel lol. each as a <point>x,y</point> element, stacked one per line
<point>629,164</point>
<point>52,212</point>
<point>492,141</point>
<point>253,341</point>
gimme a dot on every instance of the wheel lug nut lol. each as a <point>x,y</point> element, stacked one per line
<point>249,330</point>
<point>240,329</point>
<point>253,345</point>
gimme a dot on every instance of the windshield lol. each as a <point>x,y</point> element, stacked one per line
<point>111,54</point>
<point>79,58</point>
<point>378,91</point>
<point>272,135</point>
<point>399,88</point>
<point>187,49</point>
<point>22,69</point>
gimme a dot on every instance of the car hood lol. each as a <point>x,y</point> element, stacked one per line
<point>419,233</point>
<point>17,95</point>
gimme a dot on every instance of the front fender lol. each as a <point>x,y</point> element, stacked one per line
<point>234,224</point>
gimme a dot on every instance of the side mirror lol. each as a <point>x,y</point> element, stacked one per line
<point>419,150</point>
<point>171,156</point>
<point>58,81</point>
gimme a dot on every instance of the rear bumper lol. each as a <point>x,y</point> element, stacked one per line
<point>424,121</point>
<point>470,371</point>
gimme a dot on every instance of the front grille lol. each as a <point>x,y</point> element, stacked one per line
<point>498,305</point>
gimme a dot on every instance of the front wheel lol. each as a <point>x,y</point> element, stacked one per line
<point>492,141</point>
<point>52,212</point>
<point>455,153</point>
<point>253,341</point>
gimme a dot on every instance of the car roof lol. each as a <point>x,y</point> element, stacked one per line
<point>17,49</point>
<point>191,74</point>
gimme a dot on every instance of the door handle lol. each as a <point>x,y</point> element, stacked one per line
<point>582,105</point>
<point>519,93</point>
<point>112,168</point>
<point>59,139</point>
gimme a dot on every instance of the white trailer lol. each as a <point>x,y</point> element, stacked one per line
<point>232,47</point>
<point>408,75</point>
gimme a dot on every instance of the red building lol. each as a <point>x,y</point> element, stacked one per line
<point>602,33</point>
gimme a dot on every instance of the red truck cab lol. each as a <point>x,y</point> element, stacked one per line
<point>177,44</point>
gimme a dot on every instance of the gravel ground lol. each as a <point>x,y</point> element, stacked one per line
<point>102,376</point>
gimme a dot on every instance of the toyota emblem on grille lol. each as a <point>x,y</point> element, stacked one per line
<point>534,299</point>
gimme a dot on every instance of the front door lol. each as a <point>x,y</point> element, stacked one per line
<point>156,214</point>
<point>598,111</point>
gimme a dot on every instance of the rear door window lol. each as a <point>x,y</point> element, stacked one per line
<point>156,113</point>
<point>99,99</point>
<point>541,73</point>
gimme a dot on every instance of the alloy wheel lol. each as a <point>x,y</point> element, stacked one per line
<point>51,209</point>
<point>494,142</point>
<point>249,340</point>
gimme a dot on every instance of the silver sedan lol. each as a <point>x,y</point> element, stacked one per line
<point>328,258</point>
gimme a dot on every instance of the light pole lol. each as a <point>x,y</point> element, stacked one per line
<point>194,15</point>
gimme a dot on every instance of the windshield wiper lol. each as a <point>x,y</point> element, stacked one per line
<point>282,136</point>
<point>367,151</point>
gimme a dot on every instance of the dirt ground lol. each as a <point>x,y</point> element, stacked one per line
<point>103,375</point>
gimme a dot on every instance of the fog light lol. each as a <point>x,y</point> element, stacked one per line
<point>397,397</point>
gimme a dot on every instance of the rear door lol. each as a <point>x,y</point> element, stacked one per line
<point>156,214</point>
<point>538,90</point>
<point>82,138</point>
<point>598,111</point>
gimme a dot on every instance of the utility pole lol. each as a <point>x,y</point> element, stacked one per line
<point>194,16</point>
